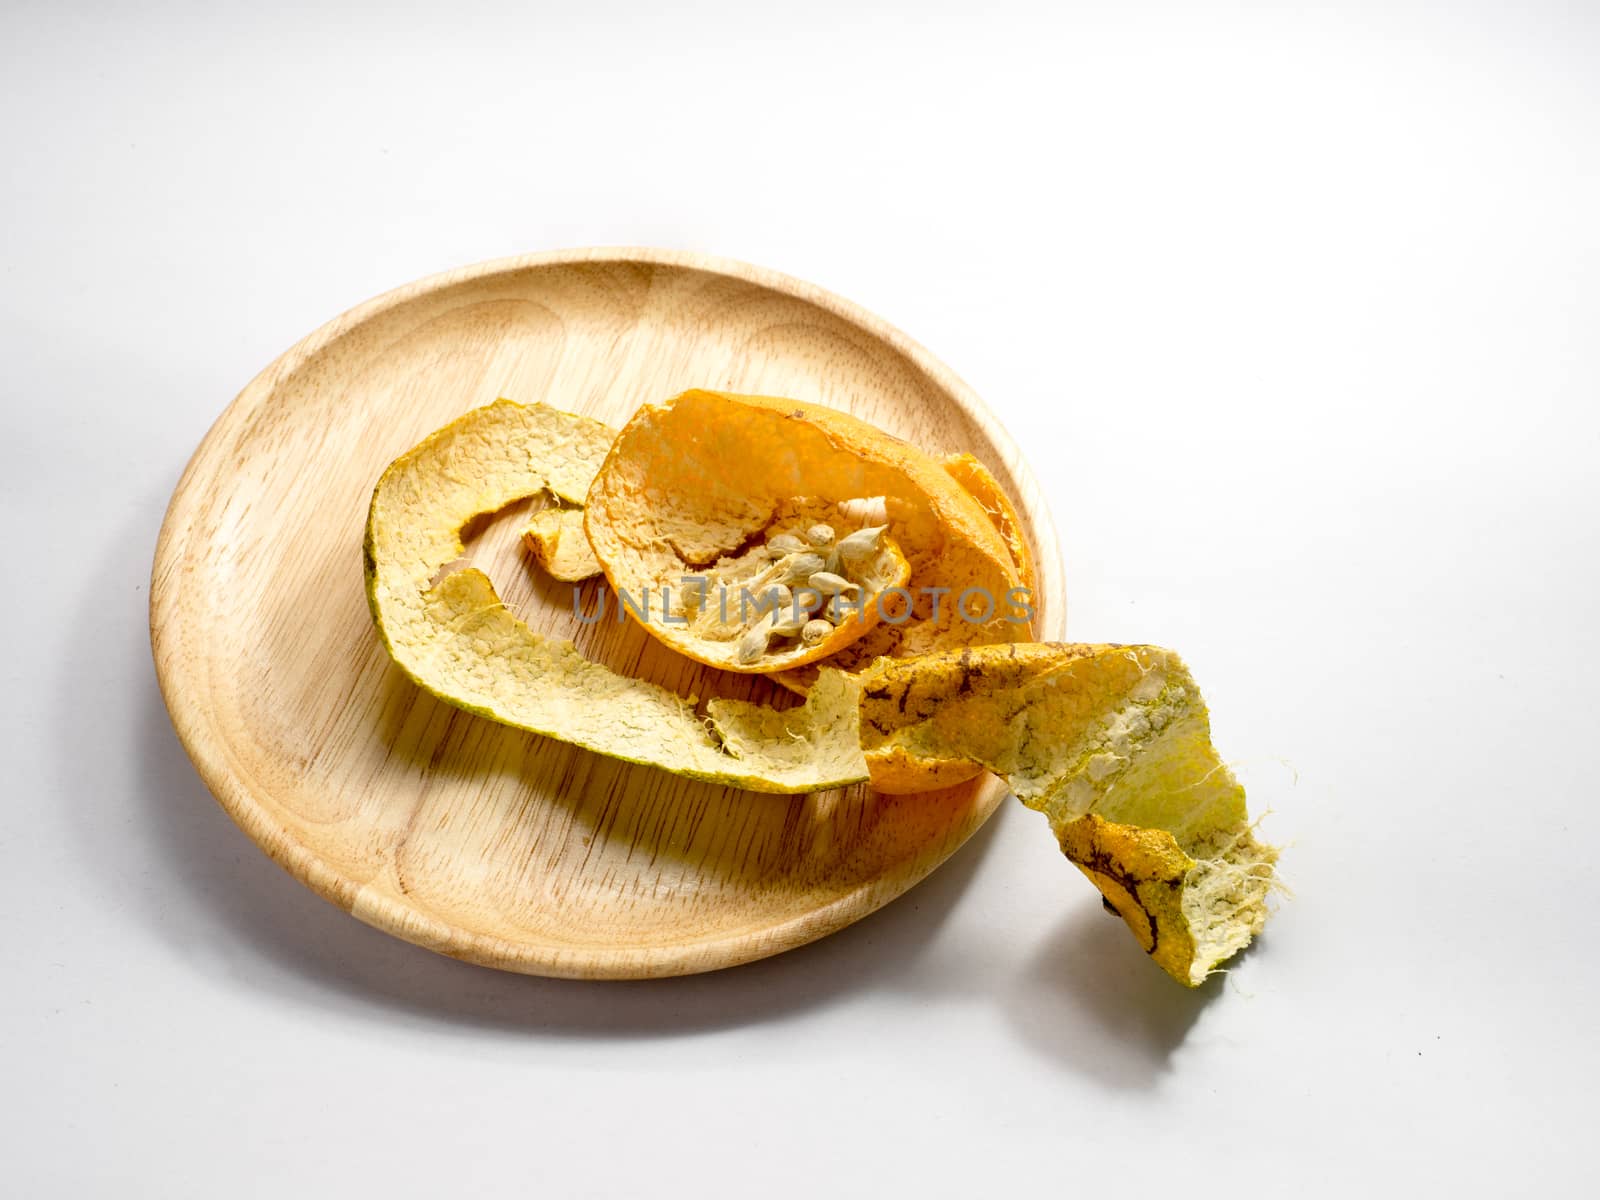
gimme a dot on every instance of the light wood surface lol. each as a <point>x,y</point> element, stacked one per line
<point>457,834</point>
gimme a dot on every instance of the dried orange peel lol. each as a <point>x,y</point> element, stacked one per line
<point>704,481</point>
<point>556,540</point>
<point>1113,745</point>
<point>451,634</point>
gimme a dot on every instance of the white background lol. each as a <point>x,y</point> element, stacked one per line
<point>1294,309</point>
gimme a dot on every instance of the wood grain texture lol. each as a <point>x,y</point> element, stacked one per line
<point>460,835</point>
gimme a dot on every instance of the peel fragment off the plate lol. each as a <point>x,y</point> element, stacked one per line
<point>1113,745</point>
<point>458,641</point>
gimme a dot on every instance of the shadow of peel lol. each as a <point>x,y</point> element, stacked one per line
<point>1091,1000</point>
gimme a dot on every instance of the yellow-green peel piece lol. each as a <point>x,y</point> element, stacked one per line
<point>454,637</point>
<point>1113,745</point>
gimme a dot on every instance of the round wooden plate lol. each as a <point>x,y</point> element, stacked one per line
<point>479,841</point>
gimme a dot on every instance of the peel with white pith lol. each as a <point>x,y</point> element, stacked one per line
<point>557,542</point>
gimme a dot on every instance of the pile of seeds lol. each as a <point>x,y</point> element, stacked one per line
<point>806,585</point>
